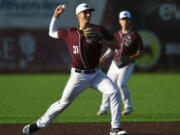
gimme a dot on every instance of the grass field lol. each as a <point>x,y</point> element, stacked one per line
<point>24,98</point>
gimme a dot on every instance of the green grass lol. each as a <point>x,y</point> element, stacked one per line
<point>25,98</point>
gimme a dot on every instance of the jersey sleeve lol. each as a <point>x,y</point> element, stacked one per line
<point>116,36</point>
<point>63,34</point>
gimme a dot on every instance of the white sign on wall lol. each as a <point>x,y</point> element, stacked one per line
<point>38,13</point>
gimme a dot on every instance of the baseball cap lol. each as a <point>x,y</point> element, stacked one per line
<point>124,14</point>
<point>82,7</point>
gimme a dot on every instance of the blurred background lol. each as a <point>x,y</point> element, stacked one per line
<point>25,46</point>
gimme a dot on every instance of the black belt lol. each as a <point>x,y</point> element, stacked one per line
<point>90,71</point>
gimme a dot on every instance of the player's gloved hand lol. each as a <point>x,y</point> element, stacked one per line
<point>123,61</point>
<point>92,35</point>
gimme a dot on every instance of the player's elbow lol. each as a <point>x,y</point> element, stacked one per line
<point>50,34</point>
<point>53,34</point>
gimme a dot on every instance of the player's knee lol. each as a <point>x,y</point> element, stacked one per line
<point>116,92</point>
<point>65,102</point>
<point>115,95</point>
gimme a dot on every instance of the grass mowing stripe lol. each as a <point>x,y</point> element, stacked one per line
<point>24,98</point>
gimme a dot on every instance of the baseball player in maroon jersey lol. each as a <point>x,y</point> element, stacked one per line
<point>84,72</point>
<point>123,64</point>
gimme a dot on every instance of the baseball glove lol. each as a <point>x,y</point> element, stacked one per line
<point>92,35</point>
<point>122,61</point>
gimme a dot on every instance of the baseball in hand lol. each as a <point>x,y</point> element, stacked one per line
<point>64,6</point>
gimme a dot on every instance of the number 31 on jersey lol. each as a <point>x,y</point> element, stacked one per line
<point>75,49</point>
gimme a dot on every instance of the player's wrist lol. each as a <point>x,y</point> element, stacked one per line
<point>104,57</point>
<point>56,16</point>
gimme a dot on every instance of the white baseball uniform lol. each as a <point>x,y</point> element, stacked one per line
<point>84,73</point>
<point>119,70</point>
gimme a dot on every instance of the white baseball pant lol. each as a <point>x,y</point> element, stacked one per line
<point>120,76</point>
<point>76,84</point>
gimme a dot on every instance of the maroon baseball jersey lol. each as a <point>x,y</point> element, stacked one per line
<point>84,55</point>
<point>130,43</point>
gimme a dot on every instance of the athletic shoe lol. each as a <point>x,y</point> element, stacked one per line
<point>31,128</point>
<point>118,131</point>
<point>102,112</point>
<point>127,111</point>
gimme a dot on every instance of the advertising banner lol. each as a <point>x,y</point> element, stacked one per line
<point>26,47</point>
<point>38,13</point>
<point>32,51</point>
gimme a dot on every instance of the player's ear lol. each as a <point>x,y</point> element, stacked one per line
<point>77,16</point>
<point>119,21</point>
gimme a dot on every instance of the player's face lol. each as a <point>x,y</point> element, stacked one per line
<point>125,23</point>
<point>84,16</point>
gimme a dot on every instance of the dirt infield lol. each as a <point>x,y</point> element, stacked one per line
<point>133,128</point>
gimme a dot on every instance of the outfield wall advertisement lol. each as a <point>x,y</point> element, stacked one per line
<point>24,42</point>
<point>26,47</point>
<point>32,51</point>
<point>37,13</point>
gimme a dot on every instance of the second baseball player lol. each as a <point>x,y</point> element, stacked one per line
<point>122,66</point>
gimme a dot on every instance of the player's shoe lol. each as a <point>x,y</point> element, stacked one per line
<point>118,131</point>
<point>127,111</point>
<point>31,128</point>
<point>102,112</point>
